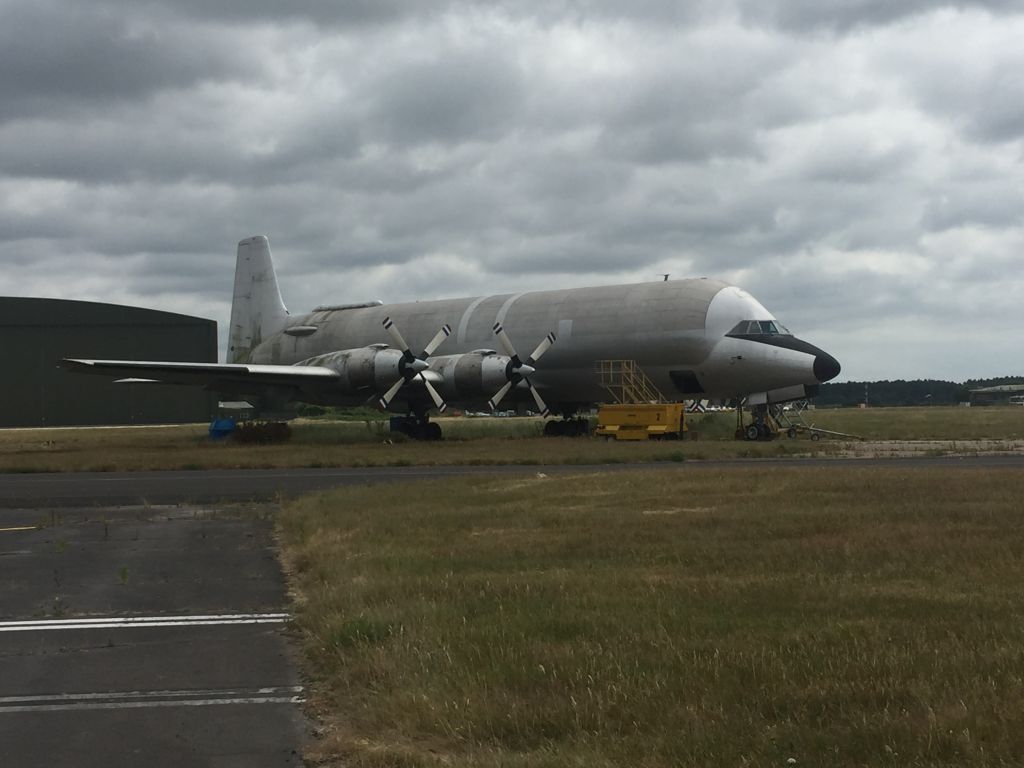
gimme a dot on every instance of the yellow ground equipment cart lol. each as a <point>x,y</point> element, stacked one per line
<point>640,411</point>
<point>641,421</point>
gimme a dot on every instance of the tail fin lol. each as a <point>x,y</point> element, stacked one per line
<point>257,310</point>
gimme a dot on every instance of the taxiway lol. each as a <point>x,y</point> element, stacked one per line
<point>144,636</point>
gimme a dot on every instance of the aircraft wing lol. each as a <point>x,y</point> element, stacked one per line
<point>231,377</point>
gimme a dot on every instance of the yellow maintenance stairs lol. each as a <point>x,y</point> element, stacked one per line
<point>639,410</point>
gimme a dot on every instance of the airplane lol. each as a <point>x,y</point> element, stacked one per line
<point>694,338</point>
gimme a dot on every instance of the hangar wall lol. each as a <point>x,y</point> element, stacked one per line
<point>36,333</point>
<point>1007,394</point>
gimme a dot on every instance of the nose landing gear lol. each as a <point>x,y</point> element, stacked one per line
<point>762,427</point>
<point>770,421</point>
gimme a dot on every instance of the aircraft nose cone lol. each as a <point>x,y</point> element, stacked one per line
<point>826,367</point>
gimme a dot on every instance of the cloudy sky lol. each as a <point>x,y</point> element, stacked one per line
<point>855,164</point>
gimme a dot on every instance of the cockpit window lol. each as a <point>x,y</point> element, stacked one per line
<point>759,328</point>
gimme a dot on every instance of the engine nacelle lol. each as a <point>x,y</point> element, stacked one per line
<point>467,376</point>
<point>470,375</point>
<point>365,369</point>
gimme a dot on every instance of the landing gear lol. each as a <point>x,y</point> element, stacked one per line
<point>418,427</point>
<point>763,427</point>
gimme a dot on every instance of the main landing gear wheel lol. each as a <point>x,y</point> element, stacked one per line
<point>417,428</point>
<point>567,428</point>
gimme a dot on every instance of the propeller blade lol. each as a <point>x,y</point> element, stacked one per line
<point>441,335</point>
<point>493,402</point>
<point>434,394</point>
<point>388,396</point>
<point>543,347</point>
<point>541,406</point>
<point>506,342</point>
<point>396,336</point>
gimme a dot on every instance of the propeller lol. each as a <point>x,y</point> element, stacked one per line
<point>412,367</point>
<point>517,370</point>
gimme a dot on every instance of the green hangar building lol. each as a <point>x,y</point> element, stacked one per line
<point>35,334</point>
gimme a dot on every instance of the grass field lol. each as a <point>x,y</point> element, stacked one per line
<point>472,441</point>
<point>934,423</point>
<point>675,617</point>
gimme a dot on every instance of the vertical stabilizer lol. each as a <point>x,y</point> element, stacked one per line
<point>257,311</point>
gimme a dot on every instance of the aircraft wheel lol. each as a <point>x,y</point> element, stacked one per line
<point>752,432</point>
<point>815,436</point>
<point>552,428</point>
<point>791,432</point>
<point>432,431</point>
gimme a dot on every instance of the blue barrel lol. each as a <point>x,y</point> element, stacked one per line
<point>221,428</point>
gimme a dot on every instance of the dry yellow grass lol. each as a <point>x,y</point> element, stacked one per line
<point>667,618</point>
<point>325,444</point>
<point>483,441</point>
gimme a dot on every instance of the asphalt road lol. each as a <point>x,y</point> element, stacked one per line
<point>144,636</point>
<point>208,487</point>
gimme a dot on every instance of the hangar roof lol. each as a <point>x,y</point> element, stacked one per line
<point>25,311</point>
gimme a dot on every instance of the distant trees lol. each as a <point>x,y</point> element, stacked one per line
<point>900,392</point>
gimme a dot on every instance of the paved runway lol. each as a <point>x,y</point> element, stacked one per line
<point>134,636</point>
<point>213,486</point>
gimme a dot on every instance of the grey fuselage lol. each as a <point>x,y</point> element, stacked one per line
<point>677,331</point>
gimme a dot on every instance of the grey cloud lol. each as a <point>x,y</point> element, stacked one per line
<point>407,150</point>
<point>448,97</point>
<point>846,15</point>
<point>363,14</point>
<point>679,142</point>
<point>69,57</point>
<point>351,13</point>
<point>978,204</point>
<point>987,104</point>
<point>851,160</point>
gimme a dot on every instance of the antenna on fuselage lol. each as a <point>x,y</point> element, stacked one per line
<point>664,277</point>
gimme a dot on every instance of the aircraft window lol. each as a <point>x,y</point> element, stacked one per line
<point>759,328</point>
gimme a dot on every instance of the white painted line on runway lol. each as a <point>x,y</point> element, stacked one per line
<point>15,528</point>
<point>197,692</point>
<point>125,622</point>
<point>150,699</point>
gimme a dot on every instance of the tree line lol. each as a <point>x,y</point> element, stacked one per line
<point>900,392</point>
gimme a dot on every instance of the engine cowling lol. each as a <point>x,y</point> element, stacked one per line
<point>366,370</point>
<point>470,375</point>
<point>363,369</point>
